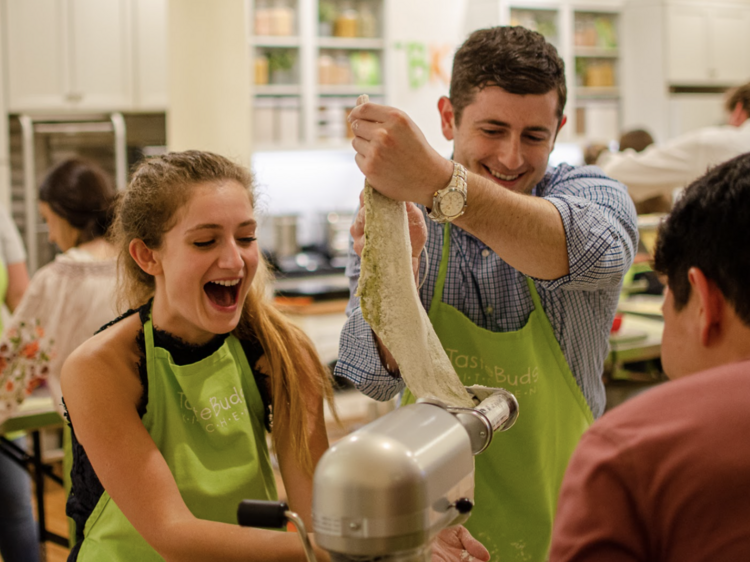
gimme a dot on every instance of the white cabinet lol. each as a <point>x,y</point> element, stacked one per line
<point>150,55</point>
<point>681,56</point>
<point>312,58</point>
<point>586,34</point>
<point>707,43</point>
<point>68,54</point>
<point>85,55</point>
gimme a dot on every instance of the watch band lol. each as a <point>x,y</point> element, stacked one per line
<point>449,203</point>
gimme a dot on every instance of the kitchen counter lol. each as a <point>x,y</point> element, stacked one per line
<point>632,365</point>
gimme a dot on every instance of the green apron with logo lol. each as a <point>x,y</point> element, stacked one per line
<point>206,418</point>
<point>518,478</point>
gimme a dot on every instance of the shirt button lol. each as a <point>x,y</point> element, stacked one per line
<point>490,310</point>
<point>485,253</point>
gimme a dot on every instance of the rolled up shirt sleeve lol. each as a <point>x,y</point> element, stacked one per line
<point>600,228</point>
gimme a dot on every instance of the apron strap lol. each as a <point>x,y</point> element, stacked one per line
<point>443,271</point>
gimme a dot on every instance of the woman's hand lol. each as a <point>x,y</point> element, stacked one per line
<point>455,544</point>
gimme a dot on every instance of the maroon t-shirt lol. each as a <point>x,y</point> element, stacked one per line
<point>665,476</point>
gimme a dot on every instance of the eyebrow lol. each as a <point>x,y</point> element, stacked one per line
<point>212,226</point>
<point>496,123</point>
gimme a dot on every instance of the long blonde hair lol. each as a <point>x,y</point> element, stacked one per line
<point>147,210</point>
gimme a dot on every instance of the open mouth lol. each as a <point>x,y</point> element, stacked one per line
<point>223,293</point>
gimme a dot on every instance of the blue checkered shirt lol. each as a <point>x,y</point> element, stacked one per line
<point>601,231</point>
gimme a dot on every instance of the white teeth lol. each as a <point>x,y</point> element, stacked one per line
<point>226,283</point>
<point>502,177</point>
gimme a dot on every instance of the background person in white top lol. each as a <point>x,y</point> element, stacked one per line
<point>70,298</point>
<point>660,169</point>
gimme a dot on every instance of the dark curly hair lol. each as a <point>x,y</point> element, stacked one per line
<point>708,229</point>
<point>518,60</point>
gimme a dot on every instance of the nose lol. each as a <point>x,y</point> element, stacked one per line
<point>511,156</point>
<point>231,257</point>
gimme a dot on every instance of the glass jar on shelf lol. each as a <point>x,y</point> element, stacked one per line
<point>282,18</point>
<point>327,14</point>
<point>261,69</point>
<point>264,120</point>
<point>346,21</point>
<point>343,69</point>
<point>281,63</point>
<point>262,18</point>
<point>365,67</point>
<point>326,70</point>
<point>367,23</point>
<point>288,120</point>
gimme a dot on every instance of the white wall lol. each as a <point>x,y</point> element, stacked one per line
<point>438,26</point>
<point>4,149</point>
<point>209,78</point>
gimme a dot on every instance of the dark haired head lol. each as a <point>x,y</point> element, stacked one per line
<point>82,193</point>
<point>518,60</point>
<point>741,95</point>
<point>637,139</point>
<point>708,229</point>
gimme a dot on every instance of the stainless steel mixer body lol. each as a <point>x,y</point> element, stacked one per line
<point>386,490</point>
<point>390,487</point>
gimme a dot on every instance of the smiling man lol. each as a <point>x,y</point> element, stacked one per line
<point>524,268</point>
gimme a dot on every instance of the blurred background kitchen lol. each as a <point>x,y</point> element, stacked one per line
<point>270,83</point>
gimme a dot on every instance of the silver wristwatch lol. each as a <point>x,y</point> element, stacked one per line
<point>450,202</point>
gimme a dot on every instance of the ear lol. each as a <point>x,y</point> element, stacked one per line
<point>563,120</point>
<point>711,305</point>
<point>145,257</point>
<point>738,115</point>
<point>447,122</point>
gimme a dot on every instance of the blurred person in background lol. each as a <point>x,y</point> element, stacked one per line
<point>14,275</point>
<point>69,298</point>
<point>639,140</point>
<point>65,303</point>
<point>635,139</point>
<point>660,169</point>
<point>18,531</point>
<point>665,475</point>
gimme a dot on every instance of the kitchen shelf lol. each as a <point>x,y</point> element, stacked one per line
<point>596,52</point>
<point>301,97</point>
<point>276,41</point>
<point>277,90</point>
<point>350,43</point>
<point>350,90</point>
<point>586,93</point>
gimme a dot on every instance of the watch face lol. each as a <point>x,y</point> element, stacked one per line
<point>452,203</point>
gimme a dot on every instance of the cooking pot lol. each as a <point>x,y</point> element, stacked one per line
<point>285,236</point>
<point>337,233</point>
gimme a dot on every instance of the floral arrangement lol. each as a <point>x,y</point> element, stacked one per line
<point>24,363</point>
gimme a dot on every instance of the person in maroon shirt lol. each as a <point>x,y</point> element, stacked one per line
<point>666,476</point>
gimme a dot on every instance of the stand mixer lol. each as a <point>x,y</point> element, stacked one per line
<point>386,490</point>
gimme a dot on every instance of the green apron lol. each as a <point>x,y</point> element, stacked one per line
<point>518,478</point>
<point>206,418</point>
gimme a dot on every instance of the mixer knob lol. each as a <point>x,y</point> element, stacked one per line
<point>463,505</point>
